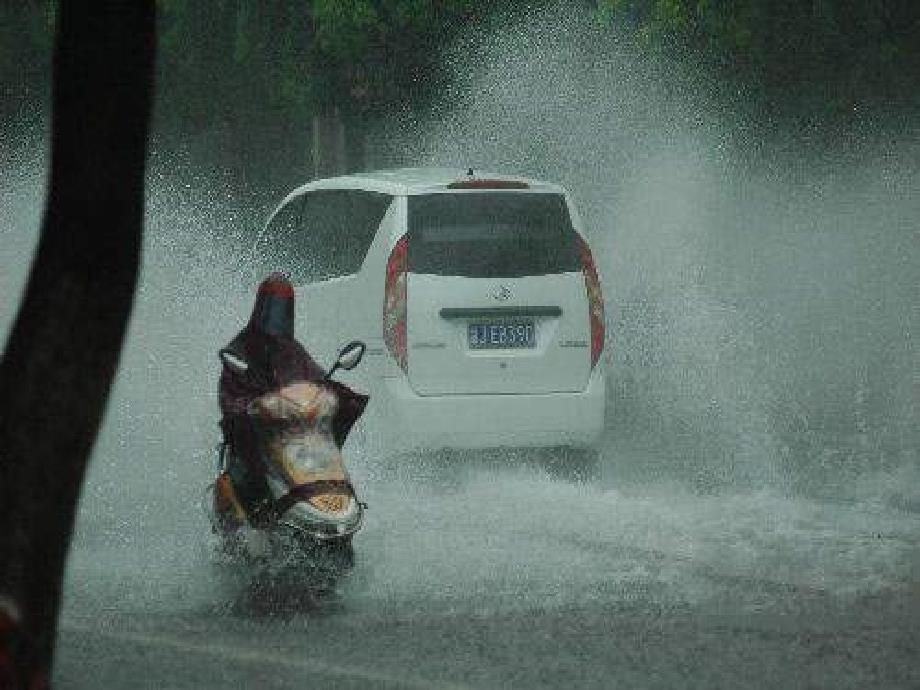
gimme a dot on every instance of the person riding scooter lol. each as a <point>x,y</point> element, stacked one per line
<point>274,358</point>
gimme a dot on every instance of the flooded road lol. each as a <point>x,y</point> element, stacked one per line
<point>753,520</point>
<point>484,576</point>
<point>711,546</point>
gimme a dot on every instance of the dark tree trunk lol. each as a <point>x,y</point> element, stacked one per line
<point>329,150</point>
<point>63,351</point>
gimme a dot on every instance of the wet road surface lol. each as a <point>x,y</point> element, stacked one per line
<point>504,573</point>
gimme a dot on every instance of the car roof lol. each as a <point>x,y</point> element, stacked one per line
<point>402,181</point>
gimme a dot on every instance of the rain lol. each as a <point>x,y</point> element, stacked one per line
<point>753,518</point>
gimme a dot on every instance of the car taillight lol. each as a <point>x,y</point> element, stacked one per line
<point>394,303</point>
<point>595,300</point>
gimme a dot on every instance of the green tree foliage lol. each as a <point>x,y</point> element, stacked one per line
<point>242,65</point>
<point>383,52</point>
<point>847,50</point>
<point>302,56</point>
<point>218,59</point>
<point>26,39</point>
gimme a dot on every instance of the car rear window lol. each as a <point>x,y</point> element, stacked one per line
<point>491,234</point>
<point>323,234</point>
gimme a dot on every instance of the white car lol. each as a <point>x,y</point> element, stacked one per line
<point>476,294</point>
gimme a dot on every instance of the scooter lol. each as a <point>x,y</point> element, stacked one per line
<point>311,505</point>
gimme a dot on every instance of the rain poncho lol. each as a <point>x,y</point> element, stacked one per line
<point>275,359</point>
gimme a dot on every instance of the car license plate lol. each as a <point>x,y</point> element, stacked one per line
<point>502,335</point>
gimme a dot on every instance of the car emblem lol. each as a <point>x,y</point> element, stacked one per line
<point>502,293</point>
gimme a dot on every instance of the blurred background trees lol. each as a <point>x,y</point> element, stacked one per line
<point>815,58</point>
<point>300,78</point>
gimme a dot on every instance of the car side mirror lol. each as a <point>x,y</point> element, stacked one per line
<point>234,362</point>
<point>349,357</point>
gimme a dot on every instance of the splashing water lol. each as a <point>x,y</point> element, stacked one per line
<point>762,378</point>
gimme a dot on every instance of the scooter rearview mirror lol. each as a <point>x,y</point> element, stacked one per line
<point>351,355</point>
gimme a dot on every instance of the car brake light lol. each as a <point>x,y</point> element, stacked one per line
<point>488,184</point>
<point>394,303</point>
<point>595,300</point>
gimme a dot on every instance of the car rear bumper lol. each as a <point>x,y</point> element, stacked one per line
<point>410,420</point>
